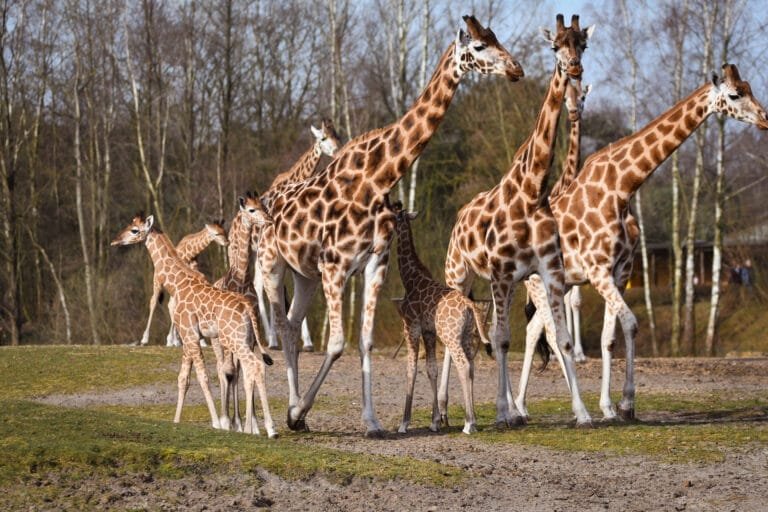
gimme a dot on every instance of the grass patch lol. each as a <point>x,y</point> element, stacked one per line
<point>36,438</point>
<point>30,371</point>
<point>679,441</point>
<point>669,443</point>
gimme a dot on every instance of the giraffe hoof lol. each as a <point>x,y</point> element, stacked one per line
<point>308,348</point>
<point>627,414</point>
<point>516,421</point>
<point>374,434</point>
<point>297,425</point>
<point>584,424</point>
<point>444,420</point>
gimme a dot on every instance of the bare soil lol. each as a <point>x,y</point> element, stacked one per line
<point>504,477</point>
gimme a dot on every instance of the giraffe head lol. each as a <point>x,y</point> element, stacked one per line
<point>136,232</point>
<point>253,211</point>
<point>326,139</point>
<point>216,232</point>
<point>569,44</point>
<point>575,95</point>
<point>733,97</point>
<point>403,217</point>
<point>478,49</point>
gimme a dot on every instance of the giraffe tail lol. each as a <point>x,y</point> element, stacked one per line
<point>542,348</point>
<point>257,336</point>
<point>478,323</point>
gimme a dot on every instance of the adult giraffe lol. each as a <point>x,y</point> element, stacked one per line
<point>327,142</point>
<point>324,227</point>
<point>596,237</point>
<point>506,234</point>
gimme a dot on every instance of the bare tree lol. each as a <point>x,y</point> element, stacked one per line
<point>731,10</point>
<point>708,13</point>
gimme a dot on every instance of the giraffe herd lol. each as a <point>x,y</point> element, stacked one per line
<point>322,224</point>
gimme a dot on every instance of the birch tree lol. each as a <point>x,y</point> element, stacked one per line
<point>708,14</point>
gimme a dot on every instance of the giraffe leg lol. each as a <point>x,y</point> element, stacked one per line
<point>533,331</point>
<point>183,383</point>
<point>506,410</point>
<point>552,284</point>
<point>224,384</point>
<point>456,334</point>
<point>333,277</point>
<point>190,338</point>
<point>249,382</point>
<point>261,385</point>
<point>615,307</point>
<point>412,331</point>
<point>306,337</point>
<point>442,393</point>
<point>267,320</point>
<point>172,339</point>
<point>430,344</point>
<point>156,287</point>
<point>375,273</point>
<point>458,277</point>
<point>574,296</point>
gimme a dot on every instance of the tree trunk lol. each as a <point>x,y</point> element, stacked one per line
<point>84,247</point>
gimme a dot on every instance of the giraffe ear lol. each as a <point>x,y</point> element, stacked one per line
<point>241,201</point>
<point>587,90</point>
<point>318,133</point>
<point>715,80</point>
<point>149,222</point>
<point>589,31</point>
<point>462,39</point>
<point>547,35</point>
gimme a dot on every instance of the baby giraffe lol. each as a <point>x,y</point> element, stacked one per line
<point>431,310</point>
<point>202,310</point>
<point>188,249</point>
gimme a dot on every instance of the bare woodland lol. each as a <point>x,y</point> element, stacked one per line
<point>177,108</point>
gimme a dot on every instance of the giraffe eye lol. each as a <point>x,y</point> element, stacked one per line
<point>480,47</point>
<point>135,231</point>
<point>734,97</point>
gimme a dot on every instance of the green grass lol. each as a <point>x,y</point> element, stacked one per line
<point>703,428</point>
<point>30,371</point>
<point>35,438</point>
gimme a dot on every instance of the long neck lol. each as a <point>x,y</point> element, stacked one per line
<point>538,150</point>
<point>193,244</point>
<point>412,269</point>
<point>636,156</point>
<point>168,267</point>
<point>571,166</point>
<point>305,166</point>
<point>239,248</point>
<point>404,141</point>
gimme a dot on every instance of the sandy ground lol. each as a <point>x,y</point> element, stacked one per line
<point>504,477</point>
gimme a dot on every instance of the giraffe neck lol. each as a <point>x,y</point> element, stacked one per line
<point>404,141</point>
<point>534,158</point>
<point>571,166</point>
<point>412,270</point>
<point>193,244</point>
<point>239,249</point>
<point>305,166</point>
<point>636,156</point>
<point>168,266</point>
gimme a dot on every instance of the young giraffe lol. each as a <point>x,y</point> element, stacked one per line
<point>327,142</point>
<point>506,234</point>
<point>429,310</point>
<point>202,310</point>
<point>324,226</point>
<point>188,249</point>
<point>596,236</point>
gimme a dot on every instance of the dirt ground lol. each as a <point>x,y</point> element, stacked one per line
<point>505,477</point>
